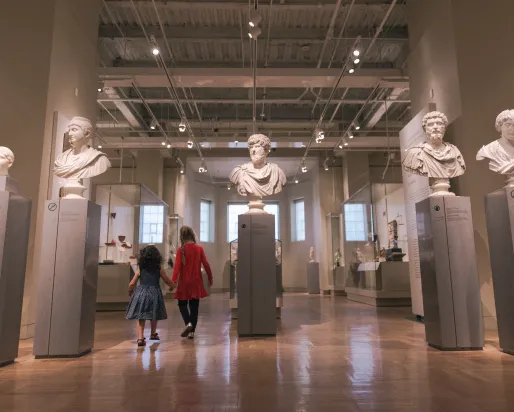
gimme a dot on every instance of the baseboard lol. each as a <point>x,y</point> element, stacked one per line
<point>219,290</point>
<point>27,331</point>
<point>338,292</point>
<point>295,290</point>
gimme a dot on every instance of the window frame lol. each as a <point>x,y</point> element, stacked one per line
<point>143,222</point>
<point>364,221</point>
<point>295,233</point>
<point>210,221</point>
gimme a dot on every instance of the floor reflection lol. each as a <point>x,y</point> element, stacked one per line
<point>329,355</point>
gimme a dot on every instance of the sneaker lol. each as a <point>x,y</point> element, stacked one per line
<point>187,330</point>
<point>191,335</point>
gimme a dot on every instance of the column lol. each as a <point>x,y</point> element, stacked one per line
<point>149,170</point>
<point>50,65</point>
<point>460,62</point>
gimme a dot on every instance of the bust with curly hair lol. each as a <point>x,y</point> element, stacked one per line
<point>435,158</point>
<point>500,153</point>
<point>258,178</point>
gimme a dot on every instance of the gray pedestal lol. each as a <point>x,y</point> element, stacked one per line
<point>65,322</point>
<point>501,252</point>
<point>313,278</point>
<point>14,239</point>
<point>256,275</point>
<point>449,277</point>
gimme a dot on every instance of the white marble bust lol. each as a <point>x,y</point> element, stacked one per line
<point>81,161</point>
<point>258,178</point>
<point>435,158</point>
<point>6,160</point>
<point>500,153</point>
<point>311,254</point>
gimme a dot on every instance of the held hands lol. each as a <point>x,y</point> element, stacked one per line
<point>210,283</point>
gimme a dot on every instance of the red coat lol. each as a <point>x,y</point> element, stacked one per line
<point>189,276</point>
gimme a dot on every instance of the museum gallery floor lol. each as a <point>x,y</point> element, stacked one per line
<point>329,355</point>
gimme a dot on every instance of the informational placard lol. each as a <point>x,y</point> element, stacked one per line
<point>416,188</point>
<point>510,202</point>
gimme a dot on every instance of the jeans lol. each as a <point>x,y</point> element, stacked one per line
<point>190,315</point>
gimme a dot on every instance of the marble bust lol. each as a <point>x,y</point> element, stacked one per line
<point>500,153</point>
<point>258,178</point>
<point>6,160</point>
<point>81,161</point>
<point>435,158</point>
<point>311,255</point>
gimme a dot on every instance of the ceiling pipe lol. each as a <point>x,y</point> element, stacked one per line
<point>331,29</point>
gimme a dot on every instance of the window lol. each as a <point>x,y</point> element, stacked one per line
<point>298,224</point>
<point>355,222</point>
<point>206,232</point>
<point>236,209</point>
<point>152,224</point>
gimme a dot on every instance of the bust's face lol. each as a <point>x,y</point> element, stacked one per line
<point>78,137</point>
<point>257,154</point>
<point>435,129</point>
<point>507,130</point>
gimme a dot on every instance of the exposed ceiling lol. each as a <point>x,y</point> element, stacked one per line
<point>301,53</point>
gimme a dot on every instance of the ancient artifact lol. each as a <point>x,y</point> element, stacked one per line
<point>311,255</point>
<point>6,160</point>
<point>258,178</point>
<point>81,161</point>
<point>435,159</point>
<point>500,153</point>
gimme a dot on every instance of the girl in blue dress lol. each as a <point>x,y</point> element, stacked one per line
<point>146,300</point>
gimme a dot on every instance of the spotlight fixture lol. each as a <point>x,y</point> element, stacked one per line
<point>350,135</point>
<point>356,52</point>
<point>320,135</point>
<point>255,18</point>
<point>168,146</point>
<point>356,125</point>
<point>340,146</point>
<point>153,124</point>
<point>303,144</point>
<point>345,143</point>
<point>99,146</point>
<point>254,32</point>
<point>304,168</point>
<point>228,187</point>
<point>182,127</point>
<point>296,180</point>
<point>356,61</point>
<point>189,144</point>
<point>351,70</point>
<point>155,51</point>
<point>325,164</point>
<point>181,170</point>
<point>163,143</point>
<point>99,89</point>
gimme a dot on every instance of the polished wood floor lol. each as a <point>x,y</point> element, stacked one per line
<point>329,355</point>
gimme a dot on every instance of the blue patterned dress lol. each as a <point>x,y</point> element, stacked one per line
<point>147,301</point>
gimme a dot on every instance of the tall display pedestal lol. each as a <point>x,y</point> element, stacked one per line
<point>501,250</point>
<point>65,322</point>
<point>256,276</point>
<point>449,276</point>
<point>14,239</point>
<point>313,278</point>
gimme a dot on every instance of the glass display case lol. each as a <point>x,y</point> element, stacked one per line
<point>131,217</point>
<point>335,257</point>
<point>175,222</point>
<point>374,239</point>
<point>233,276</point>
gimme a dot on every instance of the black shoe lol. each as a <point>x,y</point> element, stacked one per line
<point>155,336</point>
<point>141,342</point>
<point>191,335</point>
<point>185,332</point>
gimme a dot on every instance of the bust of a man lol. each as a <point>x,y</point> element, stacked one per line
<point>500,153</point>
<point>434,158</point>
<point>258,178</point>
<point>81,161</point>
<point>6,160</point>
